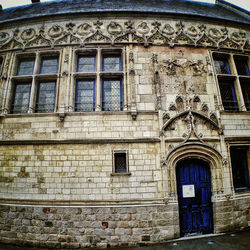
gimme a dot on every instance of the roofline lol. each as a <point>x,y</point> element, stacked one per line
<point>233,7</point>
<point>123,11</point>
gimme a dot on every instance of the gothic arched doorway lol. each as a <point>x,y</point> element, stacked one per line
<point>194,197</point>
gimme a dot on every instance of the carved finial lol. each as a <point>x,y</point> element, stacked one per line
<point>98,24</point>
<point>202,28</point>
<point>156,25</point>
<point>180,26</point>
<point>129,25</point>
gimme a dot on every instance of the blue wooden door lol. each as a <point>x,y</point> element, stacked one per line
<point>194,197</point>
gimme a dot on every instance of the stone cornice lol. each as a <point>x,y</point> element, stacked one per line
<point>79,141</point>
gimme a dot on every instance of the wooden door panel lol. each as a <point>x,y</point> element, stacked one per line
<point>195,212</point>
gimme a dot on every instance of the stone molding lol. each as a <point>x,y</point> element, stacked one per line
<point>79,141</point>
<point>125,32</point>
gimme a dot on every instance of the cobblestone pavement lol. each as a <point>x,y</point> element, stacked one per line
<point>233,241</point>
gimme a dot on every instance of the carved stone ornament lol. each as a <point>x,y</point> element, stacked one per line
<point>129,32</point>
<point>179,99</point>
<point>28,34</point>
<point>114,28</point>
<point>55,31</point>
<point>172,107</point>
<point>204,107</point>
<point>4,36</point>
<point>84,29</point>
<point>143,28</point>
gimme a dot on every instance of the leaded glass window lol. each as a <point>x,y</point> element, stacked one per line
<point>242,65</point>
<point>120,162</point>
<point>228,95</point>
<point>245,86</point>
<point>112,95</point>
<point>240,167</point>
<point>86,64</point>
<point>26,66</point>
<point>85,95</point>
<point>46,97</point>
<point>222,66</point>
<point>111,63</point>
<point>49,65</point>
<point>21,98</point>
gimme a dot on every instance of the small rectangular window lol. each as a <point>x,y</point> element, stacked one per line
<point>222,66</point>
<point>26,66</point>
<point>112,63</point>
<point>120,162</point>
<point>21,98</point>
<point>86,64</point>
<point>112,95</point>
<point>46,95</point>
<point>228,95</point>
<point>49,65</point>
<point>240,168</point>
<point>241,63</point>
<point>85,95</point>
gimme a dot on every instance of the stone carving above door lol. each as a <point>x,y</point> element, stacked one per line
<point>148,32</point>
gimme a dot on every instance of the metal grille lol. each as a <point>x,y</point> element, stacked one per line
<point>112,97</point>
<point>85,96</point>
<point>228,96</point>
<point>86,64</point>
<point>46,97</point>
<point>120,163</point>
<point>21,98</point>
<point>49,66</point>
<point>26,67</point>
<point>112,64</point>
<point>222,66</point>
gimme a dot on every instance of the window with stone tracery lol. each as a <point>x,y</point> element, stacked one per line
<point>233,77</point>
<point>34,83</point>
<point>98,80</point>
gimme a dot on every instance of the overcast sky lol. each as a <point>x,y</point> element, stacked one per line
<point>245,4</point>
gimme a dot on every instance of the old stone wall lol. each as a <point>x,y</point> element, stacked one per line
<point>79,172</point>
<point>74,227</point>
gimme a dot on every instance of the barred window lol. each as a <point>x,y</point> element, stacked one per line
<point>120,162</point>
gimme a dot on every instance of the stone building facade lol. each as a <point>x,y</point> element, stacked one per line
<point>123,122</point>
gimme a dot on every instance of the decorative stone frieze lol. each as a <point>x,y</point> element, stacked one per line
<point>148,32</point>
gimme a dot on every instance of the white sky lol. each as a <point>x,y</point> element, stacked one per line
<point>245,4</point>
